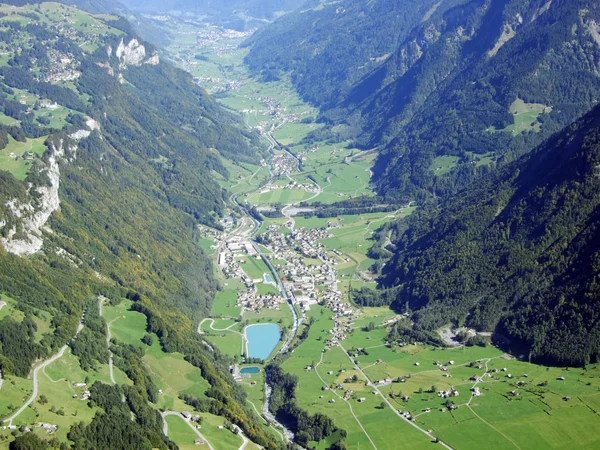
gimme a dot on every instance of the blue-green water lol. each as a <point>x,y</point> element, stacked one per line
<point>250,370</point>
<point>262,339</point>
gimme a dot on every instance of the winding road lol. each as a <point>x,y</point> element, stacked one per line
<point>189,423</point>
<point>36,370</point>
<point>392,407</point>
<point>212,322</point>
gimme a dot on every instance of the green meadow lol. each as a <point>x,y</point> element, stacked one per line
<point>18,157</point>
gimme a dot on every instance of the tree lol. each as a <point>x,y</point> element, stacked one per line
<point>28,441</point>
<point>148,339</point>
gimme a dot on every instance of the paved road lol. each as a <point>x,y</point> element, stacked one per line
<point>343,399</point>
<point>393,408</point>
<point>35,378</point>
<point>188,421</point>
<point>211,326</point>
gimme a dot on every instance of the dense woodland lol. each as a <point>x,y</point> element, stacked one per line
<point>516,254</point>
<point>430,85</point>
<point>283,404</point>
<point>131,197</point>
<point>326,62</point>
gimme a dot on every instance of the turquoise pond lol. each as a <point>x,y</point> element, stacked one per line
<point>249,370</point>
<point>262,339</point>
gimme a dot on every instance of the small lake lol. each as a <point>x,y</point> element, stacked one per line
<point>249,370</point>
<point>268,278</point>
<point>262,339</point>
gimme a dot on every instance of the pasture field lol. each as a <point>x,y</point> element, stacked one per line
<point>280,316</point>
<point>170,371</point>
<point>353,236</point>
<point>15,391</point>
<point>224,302</point>
<point>174,376</point>
<point>291,134</point>
<point>441,165</point>
<point>538,417</point>
<point>525,117</point>
<point>57,382</point>
<point>381,425</point>
<point>180,433</point>
<point>254,268</point>
<point>4,119</point>
<point>125,325</point>
<point>9,309</point>
<point>220,439</point>
<point>242,176</point>
<point>265,289</point>
<point>206,245</point>
<point>20,163</point>
<point>279,196</point>
<point>228,342</point>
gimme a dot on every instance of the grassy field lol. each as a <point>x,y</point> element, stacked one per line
<point>279,196</point>
<point>444,164</point>
<point>539,417</point>
<point>170,371</point>
<point>19,164</point>
<point>353,236</point>
<point>224,302</point>
<point>180,433</point>
<point>173,375</point>
<point>381,425</point>
<point>525,117</point>
<point>126,326</point>
<point>228,342</point>
<point>10,310</point>
<point>254,268</point>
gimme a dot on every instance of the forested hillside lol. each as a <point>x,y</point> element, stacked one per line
<point>484,83</point>
<point>517,254</point>
<point>329,46</point>
<point>446,91</point>
<point>107,156</point>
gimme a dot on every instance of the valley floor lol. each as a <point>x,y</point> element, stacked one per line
<point>386,396</point>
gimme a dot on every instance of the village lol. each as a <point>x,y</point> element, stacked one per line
<point>305,266</point>
<point>310,283</point>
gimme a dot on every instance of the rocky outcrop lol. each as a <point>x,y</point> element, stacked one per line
<point>135,54</point>
<point>91,125</point>
<point>33,216</point>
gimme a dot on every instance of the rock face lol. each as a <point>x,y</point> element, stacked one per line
<point>135,54</point>
<point>33,218</point>
<point>91,124</point>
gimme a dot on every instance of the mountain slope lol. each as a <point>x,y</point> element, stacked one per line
<point>329,46</point>
<point>445,90</point>
<point>107,156</point>
<point>484,78</point>
<point>517,254</point>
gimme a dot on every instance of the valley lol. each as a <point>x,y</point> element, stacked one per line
<point>227,266</point>
<point>384,393</point>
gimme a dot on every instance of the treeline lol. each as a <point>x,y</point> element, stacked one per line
<point>90,344</point>
<point>516,254</point>
<point>120,424</point>
<point>131,198</point>
<point>362,205</point>
<point>283,404</point>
